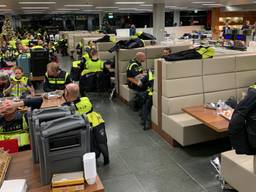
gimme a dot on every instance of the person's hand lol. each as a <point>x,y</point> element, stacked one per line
<point>7,108</point>
<point>139,83</point>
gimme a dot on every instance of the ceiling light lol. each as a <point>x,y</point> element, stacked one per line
<point>146,5</point>
<point>68,9</point>
<point>3,5</point>
<point>5,10</point>
<point>129,3</point>
<point>37,3</point>
<point>34,7</point>
<point>213,4</point>
<point>170,6</point>
<point>83,5</point>
<point>106,7</point>
<point>203,2</point>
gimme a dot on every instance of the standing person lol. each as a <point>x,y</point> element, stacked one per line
<point>55,78</point>
<point>132,30</point>
<point>226,29</point>
<point>20,85</point>
<point>247,25</point>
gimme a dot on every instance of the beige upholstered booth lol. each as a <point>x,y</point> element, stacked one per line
<point>196,82</point>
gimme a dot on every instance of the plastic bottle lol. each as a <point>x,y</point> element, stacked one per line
<point>219,107</point>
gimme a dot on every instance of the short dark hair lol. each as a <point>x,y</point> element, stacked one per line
<point>168,49</point>
<point>93,52</point>
<point>18,68</point>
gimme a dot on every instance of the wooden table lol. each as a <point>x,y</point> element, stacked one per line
<point>22,167</point>
<point>208,117</point>
<point>52,102</point>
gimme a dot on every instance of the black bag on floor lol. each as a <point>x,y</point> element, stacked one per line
<point>146,36</point>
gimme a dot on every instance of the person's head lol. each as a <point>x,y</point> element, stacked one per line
<point>71,92</point>
<point>53,69</point>
<point>166,51</point>
<point>94,54</point>
<point>3,79</point>
<point>140,57</point>
<point>91,44</point>
<point>18,72</point>
<point>247,22</point>
<point>40,42</point>
<point>133,26</point>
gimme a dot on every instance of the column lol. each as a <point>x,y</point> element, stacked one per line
<point>176,17</point>
<point>101,16</point>
<point>158,20</point>
<point>89,20</point>
<point>215,23</point>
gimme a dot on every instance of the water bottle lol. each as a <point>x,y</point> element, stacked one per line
<point>219,107</point>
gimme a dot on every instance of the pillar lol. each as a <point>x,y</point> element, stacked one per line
<point>90,27</point>
<point>101,16</point>
<point>215,23</point>
<point>176,17</point>
<point>158,20</point>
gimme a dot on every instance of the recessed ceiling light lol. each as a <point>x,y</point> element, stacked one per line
<point>129,3</point>
<point>146,5</point>
<point>37,2</point>
<point>68,9</point>
<point>3,5</point>
<point>203,2</point>
<point>75,5</point>
<point>34,7</point>
<point>213,4</point>
<point>106,7</point>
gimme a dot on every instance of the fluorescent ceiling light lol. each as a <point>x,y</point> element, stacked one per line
<point>3,5</point>
<point>170,6</point>
<point>75,5</point>
<point>34,7</point>
<point>129,3</point>
<point>213,4</point>
<point>68,9</point>
<point>203,2</point>
<point>106,7</point>
<point>37,2</point>
<point>5,10</point>
<point>146,5</point>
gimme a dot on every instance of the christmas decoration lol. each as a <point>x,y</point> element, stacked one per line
<point>7,28</point>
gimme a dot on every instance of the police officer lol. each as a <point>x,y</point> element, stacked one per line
<point>38,45</point>
<point>20,85</point>
<point>12,123</point>
<point>84,106</point>
<point>55,78</point>
<point>135,72</point>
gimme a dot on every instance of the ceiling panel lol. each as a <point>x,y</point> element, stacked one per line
<point>14,7</point>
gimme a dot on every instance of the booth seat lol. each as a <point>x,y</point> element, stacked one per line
<point>239,171</point>
<point>123,56</point>
<point>196,82</point>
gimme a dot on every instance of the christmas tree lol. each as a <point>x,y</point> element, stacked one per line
<point>7,28</point>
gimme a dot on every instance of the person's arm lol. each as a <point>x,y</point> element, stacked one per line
<point>31,88</point>
<point>46,86</point>
<point>9,89</point>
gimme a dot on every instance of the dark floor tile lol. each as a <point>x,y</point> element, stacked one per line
<point>128,183</point>
<point>115,169</point>
<point>145,158</point>
<point>171,178</point>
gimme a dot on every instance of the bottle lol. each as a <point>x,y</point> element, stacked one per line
<point>219,107</point>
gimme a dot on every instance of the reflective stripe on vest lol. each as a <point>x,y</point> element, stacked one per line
<point>95,118</point>
<point>84,105</point>
<point>37,47</point>
<point>93,66</point>
<point>21,135</point>
<point>57,80</point>
<point>75,64</point>
<point>134,63</point>
<point>18,89</point>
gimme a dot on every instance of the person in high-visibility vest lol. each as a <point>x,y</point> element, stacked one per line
<point>20,85</point>
<point>84,107</point>
<point>12,123</point>
<point>55,78</point>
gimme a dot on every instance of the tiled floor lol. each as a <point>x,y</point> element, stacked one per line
<point>140,161</point>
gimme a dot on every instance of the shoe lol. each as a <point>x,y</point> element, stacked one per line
<point>216,163</point>
<point>106,161</point>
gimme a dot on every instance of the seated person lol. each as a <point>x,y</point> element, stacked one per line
<point>135,72</point>
<point>95,74</point>
<point>166,51</point>
<point>4,83</point>
<point>20,85</point>
<point>55,78</point>
<point>12,123</point>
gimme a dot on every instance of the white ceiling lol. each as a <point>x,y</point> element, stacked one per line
<point>73,6</point>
